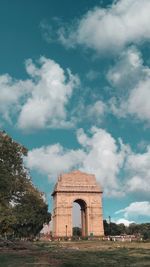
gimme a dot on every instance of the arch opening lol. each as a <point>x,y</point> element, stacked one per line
<point>79,218</point>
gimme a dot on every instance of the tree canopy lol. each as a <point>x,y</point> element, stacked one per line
<point>113,229</point>
<point>22,208</point>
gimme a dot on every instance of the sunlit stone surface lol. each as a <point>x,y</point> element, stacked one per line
<point>81,188</point>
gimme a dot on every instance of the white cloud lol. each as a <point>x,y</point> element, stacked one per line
<point>127,70</point>
<point>41,101</point>
<point>95,111</point>
<point>119,170</point>
<point>137,166</point>
<point>53,160</point>
<point>131,80</point>
<point>89,113</point>
<point>12,94</point>
<point>136,209</point>
<point>99,154</point>
<point>47,105</point>
<point>104,158</point>
<point>124,221</point>
<point>138,102</point>
<point>112,28</point>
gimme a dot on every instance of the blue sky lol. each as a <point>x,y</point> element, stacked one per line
<point>75,90</point>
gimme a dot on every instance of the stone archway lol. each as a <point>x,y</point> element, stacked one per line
<point>81,188</point>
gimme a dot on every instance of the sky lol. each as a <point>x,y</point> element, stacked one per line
<point>75,91</point>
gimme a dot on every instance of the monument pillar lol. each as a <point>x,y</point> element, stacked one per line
<point>83,222</point>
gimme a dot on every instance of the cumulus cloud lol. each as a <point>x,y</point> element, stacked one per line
<point>119,170</point>
<point>128,69</point>
<point>138,100</point>
<point>12,94</point>
<point>131,81</point>
<point>124,221</point>
<point>95,111</point>
<point>104,158</point>
<point>136,209</point>
<point>99,154</point>
<point>137,166</point>
<point>41,101</point>
<point>53,160</point>
<point>111,28</point>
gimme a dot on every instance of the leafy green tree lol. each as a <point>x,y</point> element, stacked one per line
<point>22,208</point>
<point>121,229</point>
<point>144,230</point>
<point>77,231</point>
<point>13,175</point>
<point>113,228</point>
<point>106,228</point>
<point>133,229</point>
<point>31,213</point>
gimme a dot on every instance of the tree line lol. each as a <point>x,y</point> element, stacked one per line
<point>114,229</point>
<point>22,207</point>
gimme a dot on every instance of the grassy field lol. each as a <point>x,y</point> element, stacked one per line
<point>75,254</point>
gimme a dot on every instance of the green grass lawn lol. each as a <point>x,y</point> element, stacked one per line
<point>76,254</point>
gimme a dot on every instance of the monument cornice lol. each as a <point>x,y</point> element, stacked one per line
<point>75,191</point>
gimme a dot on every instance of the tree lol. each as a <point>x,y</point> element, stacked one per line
<point>13,175</point>
<point>113,228</point>
<point>133,229</point>
<point>144,230</point>
<point>77,231</point>
<point>30,218</point>
<point>106,228</point>
<point>22,208</point>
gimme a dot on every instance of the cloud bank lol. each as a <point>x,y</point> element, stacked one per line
<point>123,23</point>
<point>40,101</point>
<point>124,221</point>
<point>99,154</point>
<point>138,171</point>
<point>130,79</point>
<point>136,209</point>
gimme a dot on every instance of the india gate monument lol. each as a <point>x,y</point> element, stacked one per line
<point>83,189</point>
